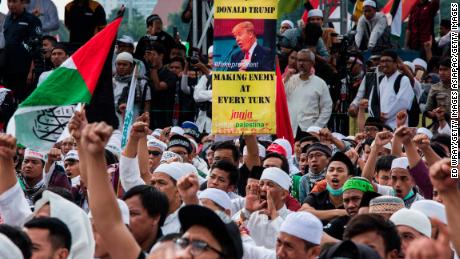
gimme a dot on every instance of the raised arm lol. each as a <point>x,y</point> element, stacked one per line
<point>381,139</point>
<point>102,200</point>
<point>7,153</point>
<point>253,151</point>
<point>142,150</point>
<point>423,143</point>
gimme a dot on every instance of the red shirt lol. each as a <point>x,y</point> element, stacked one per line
<point>292,204</point>
<point>421,23</point>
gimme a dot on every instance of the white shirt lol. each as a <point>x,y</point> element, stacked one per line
<point>392,103</point>
<point>309,102</point>
<point>265,231</point>
<point>172,224</point>
<point>130,175</point>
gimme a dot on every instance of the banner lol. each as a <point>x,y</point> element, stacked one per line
<point>129,112</point>
<point>244,78</point>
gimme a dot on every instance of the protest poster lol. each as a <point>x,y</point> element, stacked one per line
<point>244,78</point>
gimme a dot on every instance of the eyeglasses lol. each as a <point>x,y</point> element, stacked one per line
<point>155,153</point>
<point>198,246</point>
<point>369,129</point>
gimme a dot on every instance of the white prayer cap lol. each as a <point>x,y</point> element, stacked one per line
<point>154,142</point>
<point>286,145</point>
<point>315,13</point>
<point>420,62</point>
<point>218,196</point>
<point>400,162</point>
<point>262,150</point>
<point>297,223</point>
<point>410,65</point>
<point>190,169</point>
<point>157,133</point>
<point>277,176</point>
<point>29,153</point>
<point>431,209</point>
<point>126,39</point>
<point>124,56</point>
<point>72,155</point>
<point>114,144</point>
<point>8,250</point>
<point>314,129</point>
<point>167,155</point>
<point>425,131</point>
<point>414,219</point>
<point>123,209</point>
<point>211,49</point>
<point>174,170</point>
<point>177,130</point>
<point>370,3</point>
<point>291,24</point>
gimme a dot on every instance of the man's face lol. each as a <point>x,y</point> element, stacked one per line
<point>297,149</point>
<point>351,201</point>
<point>374,241</point>
<point>388,65</point>
<point>291,247</point>
<point>371,131</point>
<point>278,194</point>
<point>224,154</point>
<point>58,56</point>
<point>16,6</point>
<point>141,223</point>
<point>407,235</point>
<point>304,62</point>
<point>177,53</point>
<point>155,28</point>
<point>369,12</point>
<point>176,68</point>
<point>443,30</point>
<point>182,152</point>
<point>219,179</point>
<point>154,158</point>
<point>41,243</point>
<point>72,168</point>
<point>383,177</point>
<point>47,46</point>
<point>67,145</point>
<point>32,168</point>
<point>165,184</point>
<point>199,233</point>
<point>317,161</point>
<point>444,74</point>
<point>273,162</point>
<point>284,27</point>
<point>153,58</point>
<point>316,20</point>
<point>123,67</point>
<point>292,60</point>
<point>401,182</point>
<point>244,38</point>
<point>210,156</point>
<point>337,174</point>
<point>303,162</point>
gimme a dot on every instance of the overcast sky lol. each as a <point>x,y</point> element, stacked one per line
<point>60,4</point>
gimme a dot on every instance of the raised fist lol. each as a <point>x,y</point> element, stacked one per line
<point>95,136</point>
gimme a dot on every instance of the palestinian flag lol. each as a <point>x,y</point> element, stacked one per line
<point>42,117</point>
<point>399,10</point>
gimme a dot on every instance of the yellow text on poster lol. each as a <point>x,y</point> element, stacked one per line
<point>246,9</point>
<point>243,103</point>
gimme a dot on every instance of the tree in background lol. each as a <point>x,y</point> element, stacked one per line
<point>136,30</point>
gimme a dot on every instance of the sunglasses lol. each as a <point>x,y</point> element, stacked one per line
<point>198,246</point>
<point>155,153</point>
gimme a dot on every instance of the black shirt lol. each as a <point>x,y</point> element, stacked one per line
<point>162,102</point>
<point>336,227</point>
<point>321,201</point>
<point>22,37</point>
<point>83,20</point>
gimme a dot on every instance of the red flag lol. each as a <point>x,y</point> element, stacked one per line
<point>283,122</point>
<point>406,6</point>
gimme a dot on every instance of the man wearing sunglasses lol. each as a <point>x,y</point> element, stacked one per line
<point>206,235</point>
<point>155,148</point>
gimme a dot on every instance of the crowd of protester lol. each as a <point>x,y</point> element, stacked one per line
<point>367,177</point>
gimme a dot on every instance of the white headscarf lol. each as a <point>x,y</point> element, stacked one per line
<point>77,221</point>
